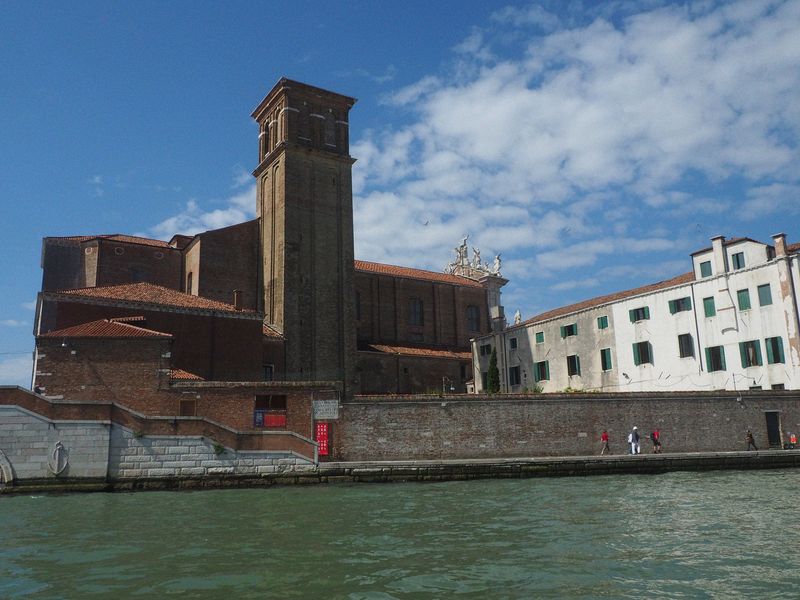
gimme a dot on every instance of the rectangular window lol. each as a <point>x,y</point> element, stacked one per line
<point>269,372</point>
<point>486,349</point>
<point>685,345</point>
<point>270,411</point>
<point>738,260</point>
<point>642,353</point>
<point>473,318</point>
<point>709,307</point>
<point>774,350</point>
<point>512,343</point>
<point>602,322</point>
<point>705,269</point>
<point>605,359</point>
<point>750,353</point>
<point>188,408</point>
<point>573,365</point>
<point>743,298</point>
<point>541,371</point>
<point>513,376</point>
<point>680,305</point>
<point>415,315</point>
<point>569,330</point>
<point>778,386</point>
<point>639,314</point>
<point>715,358</point>
<point>764,295</point>
<point>540,337</point>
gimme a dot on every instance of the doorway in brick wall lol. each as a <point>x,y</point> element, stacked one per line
<point>773,428</point>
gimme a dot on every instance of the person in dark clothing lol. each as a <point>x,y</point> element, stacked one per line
<point>750,440</point>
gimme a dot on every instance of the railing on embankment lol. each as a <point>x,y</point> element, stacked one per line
<point>146,425</point>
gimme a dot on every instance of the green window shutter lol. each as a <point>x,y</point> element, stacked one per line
<point>650,352</point>
<point>764,295</point>
<point>575,328</point>
<point>646,312</point>
<point>540,337</point>
<point>743,354</point>
<point>780,350</point>
<point>578,365</point>
<point>709,307</point>
<point>637,360</point>
<point>708,359</point>
<point>673,307</point>
<point>722,358</point>
<point>758,352</point>
<point>563,332</point>
<point>743,297</point>
<point>770,354</point>
<point>547,370</point>
<point>632,315</point>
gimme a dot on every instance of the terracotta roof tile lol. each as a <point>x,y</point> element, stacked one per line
<point>105,328</point>
<point>147,293</point>
<point>586,304</point>
<point>116,237</point>
<point>417,351</point>
<point>409,273</point>
<point>792,248</point>
<point>184,375</point>
<point>272,333</point>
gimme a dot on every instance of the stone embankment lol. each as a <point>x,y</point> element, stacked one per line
<point>432,470</point>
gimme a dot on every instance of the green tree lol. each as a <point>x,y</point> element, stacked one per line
<point>493,377</point>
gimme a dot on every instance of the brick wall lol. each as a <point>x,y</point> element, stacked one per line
<point>380,373</point>
<point>119,263</point>
<point>229,261</point>
<point>418,427</point>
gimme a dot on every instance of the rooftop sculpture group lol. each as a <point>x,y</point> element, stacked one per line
<point>474,268</point>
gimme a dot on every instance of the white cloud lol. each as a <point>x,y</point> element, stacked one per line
<point>29,305</point>
<point>577,142</point>
<point>193,219</point>
<point>16,370</point>
<point>12,323</point>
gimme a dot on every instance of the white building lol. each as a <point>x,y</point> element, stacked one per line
<point>731,323</point>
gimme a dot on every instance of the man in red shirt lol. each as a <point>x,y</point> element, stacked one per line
<point>604,439</point>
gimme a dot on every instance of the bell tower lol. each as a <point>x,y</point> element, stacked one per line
<point>305,206</point>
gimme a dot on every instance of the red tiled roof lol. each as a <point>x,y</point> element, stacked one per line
<point>136,319</point>
<point>116,237</point>
<point>792,248</point>
<point>147,293</point>
<point>579,306</point>
<point>105,328</point>
<point>272,333</point>
<point>417,351</point>
<point>409,273</point>
<point>184,375</point>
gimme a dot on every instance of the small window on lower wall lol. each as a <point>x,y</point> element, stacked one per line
<point>573,365</point>
<point>513,376</point>
<point>778,386</point>
<point>715,359</point>
<point>605,359</point>
<point>270,411</point>
<point>541,371</point>
<point>642,353</point>
<point>269,372</point>
<point>685,345</point>
<point>512,343</point>
<point>188,408</point>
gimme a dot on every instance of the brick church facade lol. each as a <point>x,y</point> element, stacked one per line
<point>275,304</point>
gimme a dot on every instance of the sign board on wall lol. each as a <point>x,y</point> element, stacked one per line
<point>325,410</point>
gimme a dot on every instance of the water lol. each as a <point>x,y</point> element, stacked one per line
<point>679,535</point>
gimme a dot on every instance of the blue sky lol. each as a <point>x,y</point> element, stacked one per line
<point>594,145</point>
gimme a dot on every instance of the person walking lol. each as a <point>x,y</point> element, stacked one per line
<point>655,437</point>
<point>604,440</point>
<point>633,440</point>
<point>750,440</point>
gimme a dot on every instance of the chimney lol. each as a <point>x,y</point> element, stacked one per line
<point>780,244</point>
<point>237,299</point>
<point>720,260</point>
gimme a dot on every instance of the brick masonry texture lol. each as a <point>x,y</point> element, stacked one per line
<point>450,427</point>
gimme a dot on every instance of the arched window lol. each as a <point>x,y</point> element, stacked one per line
<point>473,318</point>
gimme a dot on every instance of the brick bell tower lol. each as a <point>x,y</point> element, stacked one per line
<point>304,201</point>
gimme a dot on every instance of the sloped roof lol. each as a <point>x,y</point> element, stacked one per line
<point>116,237</point>
<point>183,375</point>
<point>148,293</point>
<point>586,304</point>
<point>733,240</point>
<point>409,273</point>
<point>417,351</point>
<point>105,328</point>
<point>272,333</point>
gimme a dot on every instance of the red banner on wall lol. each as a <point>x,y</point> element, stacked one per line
<point>322,432</point>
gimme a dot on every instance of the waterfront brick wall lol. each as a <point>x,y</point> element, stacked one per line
<point>450,427</point>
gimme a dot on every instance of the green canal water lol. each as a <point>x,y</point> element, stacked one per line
<point>679,535</point>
